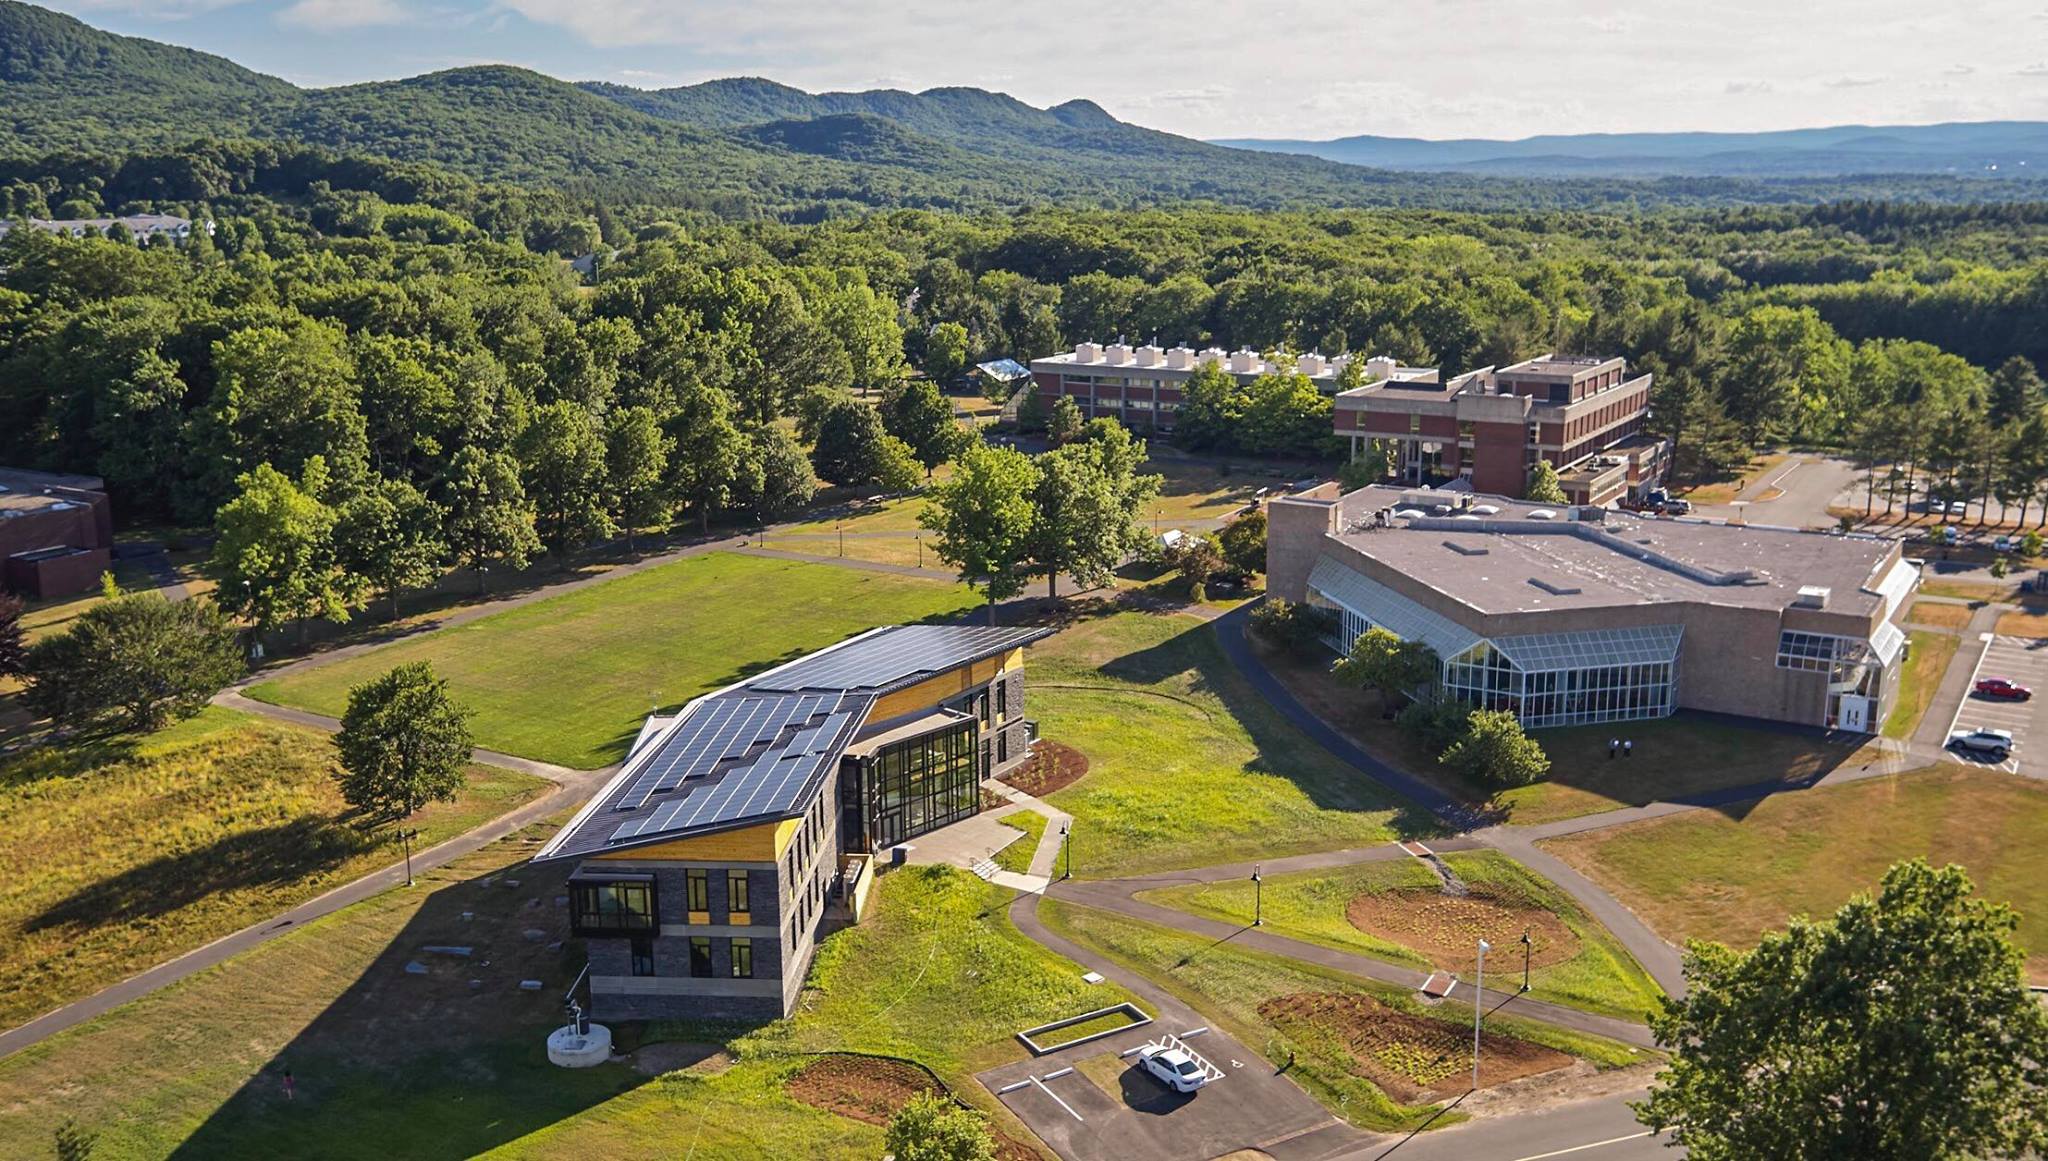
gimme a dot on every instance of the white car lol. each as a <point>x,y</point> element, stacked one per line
<point>1983,740</point>
<point>1173,1067</point>
<point>1959,507</point>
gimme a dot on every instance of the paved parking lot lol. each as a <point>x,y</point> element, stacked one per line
<point>2020,659</point>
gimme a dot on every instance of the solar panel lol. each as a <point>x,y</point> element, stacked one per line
<point>896,654</point>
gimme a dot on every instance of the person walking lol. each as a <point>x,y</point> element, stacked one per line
<point>289,1087</point>
<point>1613,744</point>
<point>1628,747</point>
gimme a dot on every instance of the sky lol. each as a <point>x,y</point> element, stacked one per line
<point>1210,68</point>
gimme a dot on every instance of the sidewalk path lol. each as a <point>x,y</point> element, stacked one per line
<point>1955,682</point>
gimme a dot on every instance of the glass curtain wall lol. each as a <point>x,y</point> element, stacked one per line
<point>1567,696</point>
<point>922,784</point>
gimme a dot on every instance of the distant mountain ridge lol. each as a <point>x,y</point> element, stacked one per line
<point>2012,149</point>
<point>744,145</point>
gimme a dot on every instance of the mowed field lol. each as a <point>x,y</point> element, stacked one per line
<point>126,853</point>
<point>569,679</point>
<point>1731,876</point>
<point>388,1063</point>
<point>1187,765</point>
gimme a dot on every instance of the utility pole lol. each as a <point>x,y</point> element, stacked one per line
<point>1527,947</point>
<point>1478,1010</point>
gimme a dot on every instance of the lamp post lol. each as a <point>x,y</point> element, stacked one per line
<point>842,540</point>
<point>1527,947</point>
<point>406,836</point>
<point>1478,1010</point>
<point>1258,898</point>
<point>1067,848</point>
<point>920,550</point>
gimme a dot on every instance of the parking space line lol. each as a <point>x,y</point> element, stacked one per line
<point>1056,1097</point>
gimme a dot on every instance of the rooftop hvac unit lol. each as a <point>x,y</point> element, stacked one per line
<point>1309,364</point>
<point>1180,358</point>
<point>1116,353</point>
<point>1086,352</point>
<point>1244,361</point>
<point>1811,597</point>
<point>1147,355</point>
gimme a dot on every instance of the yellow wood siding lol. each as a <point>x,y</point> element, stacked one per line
<point>933,690</point>
<point>753,844</point>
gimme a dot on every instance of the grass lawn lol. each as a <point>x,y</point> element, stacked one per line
<point>1229,984</point>
<point>1017,856</point>
<point>1970,590</point>
<point>2023,624</point>
<point>568,679</point>
<point>1722,491</point>
<point>937,974</point>
<point>1713,875</point>
<point>1674,757</point>
<point>896,548</point>
<point>126,853</point>
<point>1579,962</point>
<point>1940,615</point>
<point>1196,491</point>
<point>1918,681</point>
<point>1188,766</point>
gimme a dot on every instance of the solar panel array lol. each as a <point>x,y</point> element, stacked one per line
<point>895,655</point>
<point>778,779</point>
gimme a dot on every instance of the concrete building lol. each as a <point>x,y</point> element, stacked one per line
<point>56,532</point>
<point>141,227</point>
<point>739,827</point>
<point>1576,615</point>
<point>1141,386</point>
<point>1489,427</point>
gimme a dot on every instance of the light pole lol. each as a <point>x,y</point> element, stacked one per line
<point>1478,1010</point>
<point>1527,947</point>
<point>1258,898</point>
<point>842,540</point>
<point>920,550</point>
<point>406,836</point>
<point>1067,847</point>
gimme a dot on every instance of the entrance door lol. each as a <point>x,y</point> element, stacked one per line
<point>1855,715</point>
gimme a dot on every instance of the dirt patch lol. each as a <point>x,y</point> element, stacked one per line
<point>866,1088</point>
<point>1052,766</point>
<point>1445,928</point>
<point>681,1056</point>
<point>871,1088</point>
<point>1411,1057</point>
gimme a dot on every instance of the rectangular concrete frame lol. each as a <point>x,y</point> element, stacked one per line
<point>1138,1020</point>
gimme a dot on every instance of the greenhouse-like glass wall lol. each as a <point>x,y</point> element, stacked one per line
<point>1568,679</point>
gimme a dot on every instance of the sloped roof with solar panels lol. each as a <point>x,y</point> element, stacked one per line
<point>761,750</point>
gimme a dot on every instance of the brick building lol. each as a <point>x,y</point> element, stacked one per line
<point>1488,427</point>
<point>707,868</point>
<point>1141,386</point>
<point>56,532</point>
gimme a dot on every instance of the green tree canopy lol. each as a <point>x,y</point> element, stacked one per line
<point>132,662</point>
<point>918,414</point>
<point>490,520</point>
<point>984,517</point>
<point>1381,661</point>
<point>275,555</point>
<point>1063,422</point>
<point>945,352</point>
<point>1544,487</point>
<point>1494,751</point>
<point>933,1128</point>
<point>775,480</point>
<point>403,743</point>
<point>1899,1027</point>
<point>850,435</point>
<point>1243,542</point>
<point>562,456</point>
<point>636,457</point>
<point>13,643</point>
<point>390,535</point>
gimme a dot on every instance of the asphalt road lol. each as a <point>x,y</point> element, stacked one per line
<point>1597,1130</point>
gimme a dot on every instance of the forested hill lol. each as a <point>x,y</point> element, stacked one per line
<point>747,146</point>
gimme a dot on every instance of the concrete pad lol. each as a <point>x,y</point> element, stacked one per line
<point>964,843</point>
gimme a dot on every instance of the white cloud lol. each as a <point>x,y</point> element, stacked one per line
<point>1958,70</point>
<point>335,15</point>
<point>1855,82</point>
<point>1737,88</point>
<point>2037,69</point>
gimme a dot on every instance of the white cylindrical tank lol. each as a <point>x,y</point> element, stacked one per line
<point>572,1049</point>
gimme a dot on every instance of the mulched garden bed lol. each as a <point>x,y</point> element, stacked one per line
<point>1412,1058</point>
<point>871,1088</point>
<point>1446,928</point>
<point>1052,767</point>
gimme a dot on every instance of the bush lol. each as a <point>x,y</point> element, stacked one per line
<point>1243,542</point>
<point>1294,627</point>
<point>1494,751</point>
<point>1437,723</point>
<point>135,662</point>
<point>932,1128</point>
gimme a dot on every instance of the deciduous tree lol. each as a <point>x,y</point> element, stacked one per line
<point>1243,542</point>
<point>562,457</point>
<point>1394,668</point>
<point>636,457</point>
<point>933,1128</point>
<point>1899,1027</point>
<point>275,555</point>
<point>1063,421</point>
<point>918,414</point>
<point>1544,487</point>
<point>403,743</point>
<point>945,352</point>
<point>984,518</point>
<point>390,535</point>
<point>132,662</point>
<point>1494,751</point>
<point>490,520</point>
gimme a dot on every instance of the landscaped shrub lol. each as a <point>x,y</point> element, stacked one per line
<point>1494,751</point>
<point>1294,627</point>
<point>1435,722</point>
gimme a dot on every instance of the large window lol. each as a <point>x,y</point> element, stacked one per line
<point>743,959</point>
<point>738,899</point>
<point>1597,676</point>
<point>643,955</point>
<point>698,883</point>
<point>612,906</point>
<point>700,956</point>
<point>921,784</point>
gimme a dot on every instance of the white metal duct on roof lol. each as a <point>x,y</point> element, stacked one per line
<point>1592,648</point>
<point>1886,642</point>
<point>1389,610</point>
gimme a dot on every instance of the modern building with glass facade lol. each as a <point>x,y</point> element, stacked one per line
<point>1577,615</point>
<point>744,824</point>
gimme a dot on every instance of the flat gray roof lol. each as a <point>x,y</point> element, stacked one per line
<point>1508,562</point>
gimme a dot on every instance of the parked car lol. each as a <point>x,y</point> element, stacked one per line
<point>1173,1067</point>
<point>1958,507</point>
<point>2003,688</point>
<point>2006,544</point>
<point>1676,506</point>
<point>1995,744</point>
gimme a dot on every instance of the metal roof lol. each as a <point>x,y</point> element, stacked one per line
<point>1389,610</point>
<point>761,750</point>
<point>1592,648</point>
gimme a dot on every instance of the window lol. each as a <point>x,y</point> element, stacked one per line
<point>1415,422</point>
<point>612,906</point>
<point>743,959</point>
<point>1002,747</point>
<point>920,784</point>
<point>698,883</point>
<point>738,903</point>
<point>643,956</point>
<point>700,956</point>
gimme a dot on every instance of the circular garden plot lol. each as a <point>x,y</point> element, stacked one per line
<point>1411,1058</point>
<point>1446,929</point>
<point>1052,767</point>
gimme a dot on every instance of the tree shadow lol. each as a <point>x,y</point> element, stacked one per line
<point>46,755</point>
<point>430,1052</point>
<point>266,857</point>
